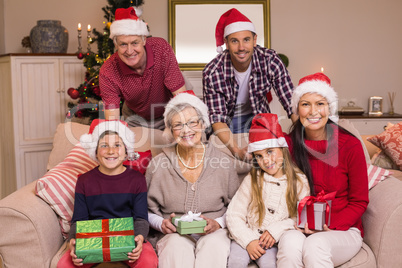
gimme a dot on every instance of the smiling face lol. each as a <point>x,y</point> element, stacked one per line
<point>111,154</point>
<point>313,112</point>
<point>131,50</point>
<point>241,47</point>
<point>271,161</point>
<point>189,134</point>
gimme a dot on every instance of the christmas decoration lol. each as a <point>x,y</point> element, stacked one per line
<point>87,95</point>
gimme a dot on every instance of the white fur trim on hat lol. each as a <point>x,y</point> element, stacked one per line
<point>128,27</point>
<point>90,141</point>
<point>194,101</point>
<point>316,86</point>
<point>264,144</point>
<point>238,27</point>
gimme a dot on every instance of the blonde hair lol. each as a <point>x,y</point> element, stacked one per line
<point>257,179</point>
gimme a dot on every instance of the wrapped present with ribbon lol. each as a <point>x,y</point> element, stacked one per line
<point>190,223</point>
<point>105,240</point>
<point>315,210</point>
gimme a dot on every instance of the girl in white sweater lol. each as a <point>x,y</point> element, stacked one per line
<point>265,205</point>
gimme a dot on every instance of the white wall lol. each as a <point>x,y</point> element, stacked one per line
<point>2,43</point>
<point>357,42</point>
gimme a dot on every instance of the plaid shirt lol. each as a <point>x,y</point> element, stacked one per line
<point>220,88</point>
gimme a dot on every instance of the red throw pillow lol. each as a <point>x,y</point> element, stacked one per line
<point>390,141</point>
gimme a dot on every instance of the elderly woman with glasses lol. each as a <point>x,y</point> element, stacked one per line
<point>190,175</point>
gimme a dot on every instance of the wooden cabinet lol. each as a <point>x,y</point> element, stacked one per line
<point>372,125</point>
<point>33,92</point>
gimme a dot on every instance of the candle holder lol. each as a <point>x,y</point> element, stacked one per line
<point>89,40</point>
<point>79,42</point>
<point>391,96</point>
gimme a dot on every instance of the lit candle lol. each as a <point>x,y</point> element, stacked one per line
<point>322,69</point>
<point>79,26</point>
<point>89,27</point>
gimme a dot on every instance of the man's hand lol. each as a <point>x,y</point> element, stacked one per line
<point>167,225</point>
<point>255,250</point>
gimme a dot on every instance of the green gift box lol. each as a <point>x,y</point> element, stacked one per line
<point>105,240</point>
<point>185,227</point>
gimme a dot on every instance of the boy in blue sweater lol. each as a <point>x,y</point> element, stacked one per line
<point>111,190</point>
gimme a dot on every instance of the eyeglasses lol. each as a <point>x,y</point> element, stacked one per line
<point>191,124</point>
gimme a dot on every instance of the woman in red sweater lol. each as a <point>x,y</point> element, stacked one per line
<point>333,160</point>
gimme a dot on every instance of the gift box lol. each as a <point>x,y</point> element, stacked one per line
<point>104,240</point>
<point>189,224</point>
<point>315,210</point>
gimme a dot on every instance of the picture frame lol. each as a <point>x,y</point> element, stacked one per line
<point>192,23</point>
<point>375,105</point>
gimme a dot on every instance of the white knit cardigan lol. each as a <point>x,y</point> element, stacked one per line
<point>242,220</point>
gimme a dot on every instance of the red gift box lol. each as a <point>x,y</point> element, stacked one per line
<point>141,163</point>
<point>315,210</point>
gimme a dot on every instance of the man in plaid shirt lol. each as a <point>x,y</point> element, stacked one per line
<point>237,81</point>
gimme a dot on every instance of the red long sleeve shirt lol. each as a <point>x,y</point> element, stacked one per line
<point>341,168</point>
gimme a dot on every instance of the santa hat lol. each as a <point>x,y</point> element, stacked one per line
<point>231,21</point>
<point>188,97</point>
<point>90,141</point>
<point>127,23</point>
<point>316,83</point>
<point>265,132</point>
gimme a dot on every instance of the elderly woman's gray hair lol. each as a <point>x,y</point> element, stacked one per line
<point>181,102</point>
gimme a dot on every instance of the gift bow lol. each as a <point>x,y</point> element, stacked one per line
<point>190,217</point>
<point>309,202</point>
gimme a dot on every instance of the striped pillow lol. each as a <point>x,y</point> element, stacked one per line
<point>57,186</point>
<point>376,174</point>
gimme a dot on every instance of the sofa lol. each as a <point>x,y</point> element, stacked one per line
<point>30,233</point>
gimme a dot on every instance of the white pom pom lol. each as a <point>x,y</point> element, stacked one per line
<point>86,140</point>
<point>138,11</point>
<point>219,50</point>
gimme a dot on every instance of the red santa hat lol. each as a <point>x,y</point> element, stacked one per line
<point>127,22</point>
<point>316,83</point>
<point>265,132</point>
<point>231,21</point>
<point>99,126</point>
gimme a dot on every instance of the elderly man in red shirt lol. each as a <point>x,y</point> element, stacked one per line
<point>143,72</point>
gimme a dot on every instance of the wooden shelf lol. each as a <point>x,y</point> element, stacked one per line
<point>367,116</point>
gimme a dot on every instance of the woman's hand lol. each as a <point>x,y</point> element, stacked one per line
<point>212,225</point>
<point>135,254</point>
<point>266,240</point>
<point>167,225</point>
<point>255,250</point>
<point>71,247</point>
<point>307,231</point>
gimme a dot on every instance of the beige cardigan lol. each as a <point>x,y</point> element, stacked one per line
<point>169,191</point>
<point>242,221</point>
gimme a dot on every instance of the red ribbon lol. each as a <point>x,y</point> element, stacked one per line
<point>309,202</point>
<point>105,235</point>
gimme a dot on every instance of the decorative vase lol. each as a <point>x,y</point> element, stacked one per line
<point>49,36</point>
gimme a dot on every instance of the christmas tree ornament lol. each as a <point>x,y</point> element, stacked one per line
<point>80,55</point>
<point>74,94</point>
<point>70,90</point>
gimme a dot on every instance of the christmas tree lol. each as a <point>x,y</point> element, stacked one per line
<point>88,104</point>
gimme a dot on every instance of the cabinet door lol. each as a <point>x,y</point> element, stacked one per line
<point>36,100</point>
<point>72,74</point>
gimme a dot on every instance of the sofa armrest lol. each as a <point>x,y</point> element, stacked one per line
<point>382,223</point>
<point>30,232</point>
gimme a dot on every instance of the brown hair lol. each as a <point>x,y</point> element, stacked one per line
<point>257,178</point>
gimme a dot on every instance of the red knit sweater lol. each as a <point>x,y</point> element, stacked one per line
<point>342,168</point>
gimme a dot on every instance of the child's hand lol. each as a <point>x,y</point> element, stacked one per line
<point>307,231</point>
<point>212,225</point>
<point>255,250</point>
<point>135,254</point>
<point>266,240</point>
<point>71,247</point>
<point>167,225</point>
